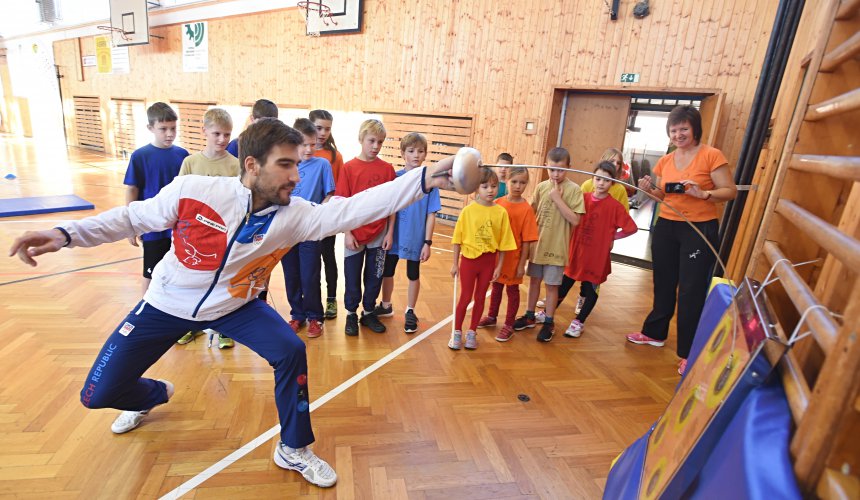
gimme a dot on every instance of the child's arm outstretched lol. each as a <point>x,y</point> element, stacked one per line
<point>455,269</point>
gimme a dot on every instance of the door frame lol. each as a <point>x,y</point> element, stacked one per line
<point>556,106</point>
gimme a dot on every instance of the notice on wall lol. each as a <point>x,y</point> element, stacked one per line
<point>120,61</point>
<point>195,47</point>
<point>103,53</point>
<point>88,61</point>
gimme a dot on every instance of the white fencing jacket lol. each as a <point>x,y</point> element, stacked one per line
<point>222,254</point>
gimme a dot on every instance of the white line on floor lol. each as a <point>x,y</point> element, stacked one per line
<point>269,434</point>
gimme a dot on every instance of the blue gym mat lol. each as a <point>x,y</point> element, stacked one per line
<point>12,207</point>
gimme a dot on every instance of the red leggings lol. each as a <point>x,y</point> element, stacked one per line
<point>513,293</point>
<point>475,276</point>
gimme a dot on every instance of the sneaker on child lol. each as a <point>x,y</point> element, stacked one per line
<point>312,468</point>
<point>471,340</point>
<point>487,321</point>
<point>456,340</point>
<point>505,333</point>
<point>225,342</point>
<point>546,332</point>
<point>188,337</point>
<point>370,320</point>
<point>524,322</point>
<point>315,328</point>
<point>410,321</point>
<point>330,309</point>
<point>351,327</point>
<point>383,312</point>
<point>575,329</point>
<point>296,325</point>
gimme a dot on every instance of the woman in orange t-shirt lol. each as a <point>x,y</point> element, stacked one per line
<point>326,148</point>
<point>691,180</point>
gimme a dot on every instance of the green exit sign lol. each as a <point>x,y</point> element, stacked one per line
<point>629,77</point>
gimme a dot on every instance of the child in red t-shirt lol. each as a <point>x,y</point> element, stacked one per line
<point>591,243</point>
<point>366,245</point>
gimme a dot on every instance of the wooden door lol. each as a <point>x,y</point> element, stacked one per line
<point>710,111</point>
<point>592,123</point>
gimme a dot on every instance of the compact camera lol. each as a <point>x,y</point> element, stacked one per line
<point>674,187</point>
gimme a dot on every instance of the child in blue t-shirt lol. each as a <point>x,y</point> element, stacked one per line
<point>302,264</point>
<point>413,236</point>
<point>150,168</point>
<point>263,108</point>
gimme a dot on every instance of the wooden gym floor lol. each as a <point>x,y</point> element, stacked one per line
<point>428,423</point>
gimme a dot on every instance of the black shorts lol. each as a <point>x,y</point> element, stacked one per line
<point>153,252</point>
<point>412,267</point>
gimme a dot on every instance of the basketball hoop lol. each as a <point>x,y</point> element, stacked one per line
<point>316,15</point>
<point>112,30</point>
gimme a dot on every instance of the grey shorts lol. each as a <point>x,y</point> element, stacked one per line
<point>376,243</point>
<point>550,274</point>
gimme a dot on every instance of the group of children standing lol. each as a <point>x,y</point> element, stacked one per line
<point>564,235</point>
<point>371,251</point>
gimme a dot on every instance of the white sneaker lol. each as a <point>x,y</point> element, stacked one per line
<point>456,340</point>
<point>313,469</point>
<point>540,317</point>
<point>575,329</point>
<point>128,420</point>
<point>541,304</point>
<point>579,303</point>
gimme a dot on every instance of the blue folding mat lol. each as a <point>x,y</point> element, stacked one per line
<point>13,207</point>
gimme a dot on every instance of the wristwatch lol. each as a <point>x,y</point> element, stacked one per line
<point>428,242</point>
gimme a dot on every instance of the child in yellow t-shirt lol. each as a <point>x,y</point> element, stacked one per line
<point>483,230</point>
<point>525,230</point>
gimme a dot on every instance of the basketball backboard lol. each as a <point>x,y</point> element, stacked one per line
<point>130,20</point>
<point>332,17</point>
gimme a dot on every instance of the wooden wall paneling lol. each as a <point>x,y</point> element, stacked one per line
<point>124,113</point>
<point>88,123</point>
<point>445,136</point>
<point>490,60</point>
<point>190,126</point>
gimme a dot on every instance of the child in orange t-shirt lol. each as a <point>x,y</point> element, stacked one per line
<point>327,149</point>
<point>525,230</point>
